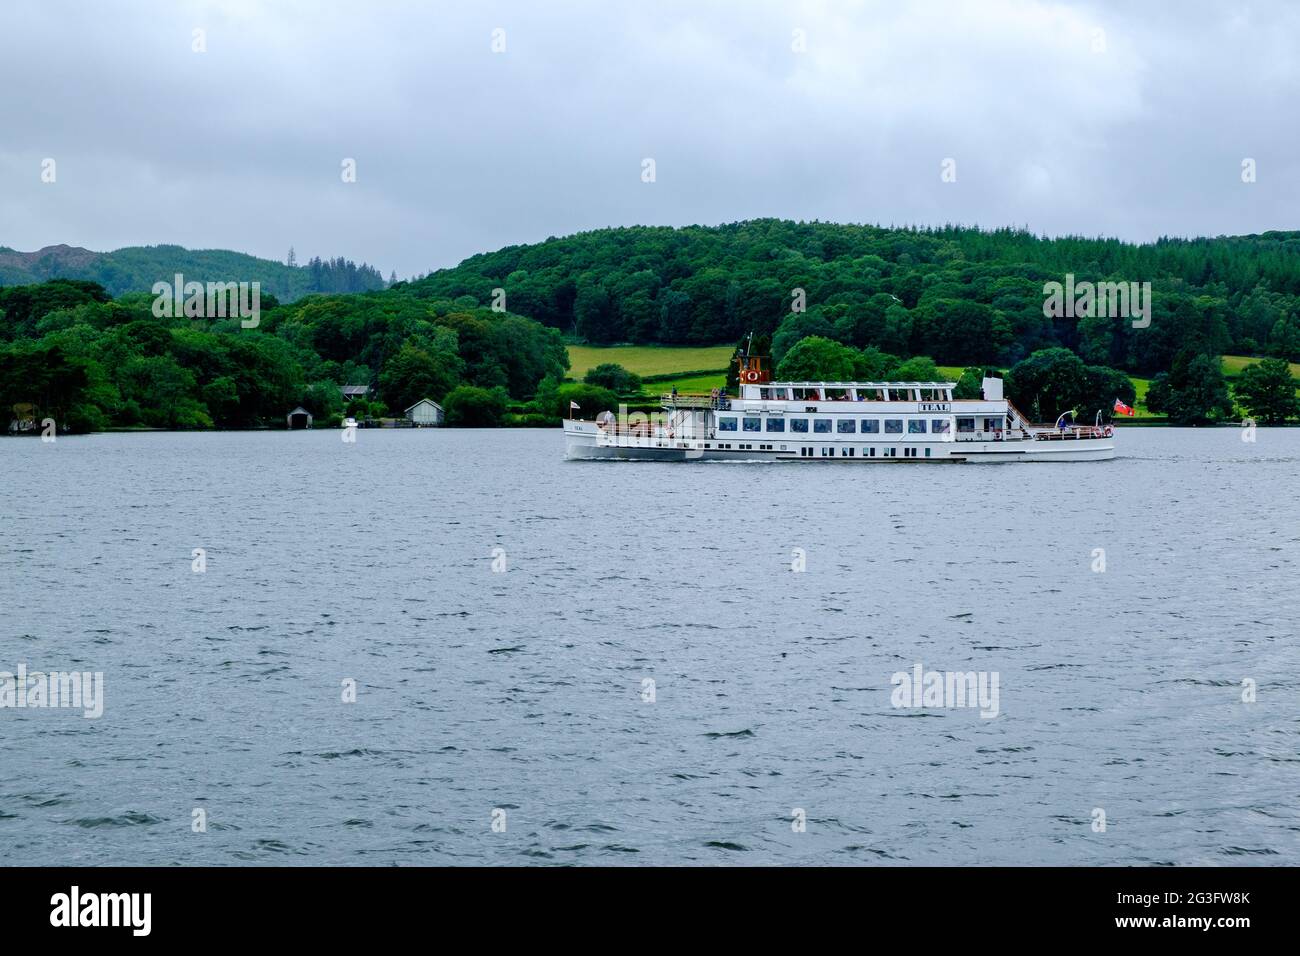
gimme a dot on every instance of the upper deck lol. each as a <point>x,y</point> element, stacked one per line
<point>848,391</point>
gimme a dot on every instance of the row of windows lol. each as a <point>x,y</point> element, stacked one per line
<point>844,426</point>
<point>851,452</point>
<point>987,424</point>
<point>900,394</point>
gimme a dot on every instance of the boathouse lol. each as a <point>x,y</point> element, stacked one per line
<point>350,392</point>
<point>298,418</point>
<point>425,413</point>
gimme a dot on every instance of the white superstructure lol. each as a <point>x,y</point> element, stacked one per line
<point>837,421</point>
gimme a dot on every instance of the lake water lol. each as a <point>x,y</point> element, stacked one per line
<point>523,690</point>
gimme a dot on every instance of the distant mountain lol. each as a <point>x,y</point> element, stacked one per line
<point>137,268</point>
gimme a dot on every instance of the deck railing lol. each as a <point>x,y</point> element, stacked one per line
<point>716,402</point>
<point>1075,433</point>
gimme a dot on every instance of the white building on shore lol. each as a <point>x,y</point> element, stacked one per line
<point>425,413</point>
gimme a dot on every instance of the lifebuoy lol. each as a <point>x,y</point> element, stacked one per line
<point>751,376</point>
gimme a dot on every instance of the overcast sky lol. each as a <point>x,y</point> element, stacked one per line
<point>1129,119</point>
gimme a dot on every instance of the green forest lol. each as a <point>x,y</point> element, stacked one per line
<point>487,338</point>
<point>92,362</point>
<point>137,268</point>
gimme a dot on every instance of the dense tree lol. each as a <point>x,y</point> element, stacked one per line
<point>1052,381</point>
<point>1102,387</point>
<point>1267,391</point>
<point>919,368</point>
<point>22,306</point>
<point>113,363</point>
<point>591,400</point>
<point>473,407</point>
<point>614,377</point>
<point>54,383</point>
<point>1046,383</point>
<point>798,326</point>
<point>417,372</point>
<point>970,384</point>
<point>874,365</point>
<point>1193,392</point>
<point>815,359</point>
<point>961,295</point>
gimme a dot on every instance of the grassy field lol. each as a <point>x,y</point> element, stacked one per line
<point>1233,365</point>
<point>694,383</point>
<point>649,359</point>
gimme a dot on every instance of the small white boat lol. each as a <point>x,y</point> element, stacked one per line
<point>349,423</point>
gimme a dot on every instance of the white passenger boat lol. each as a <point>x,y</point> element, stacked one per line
<point>857,422</point>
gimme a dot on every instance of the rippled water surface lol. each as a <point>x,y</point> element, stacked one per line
<point>523,690</point>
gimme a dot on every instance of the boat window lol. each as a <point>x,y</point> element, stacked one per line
<point>916,426</point>
<point>776,424</point>
<point>726,424</point>
<point>965,424</point>
<point>893,426</point>
<point>901,394</point>
<point>846,426</point>
<point>871,426</point>
<point>821,424</point>
<point>798,424</point>
<point>940,426</point>
<point>753,424</point>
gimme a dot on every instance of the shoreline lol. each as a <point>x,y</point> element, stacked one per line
<point>1138,423</point>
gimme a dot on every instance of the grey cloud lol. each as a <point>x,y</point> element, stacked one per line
<point>461,150</point>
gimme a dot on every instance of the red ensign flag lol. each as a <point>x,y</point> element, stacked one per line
<point>1123,409</point>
